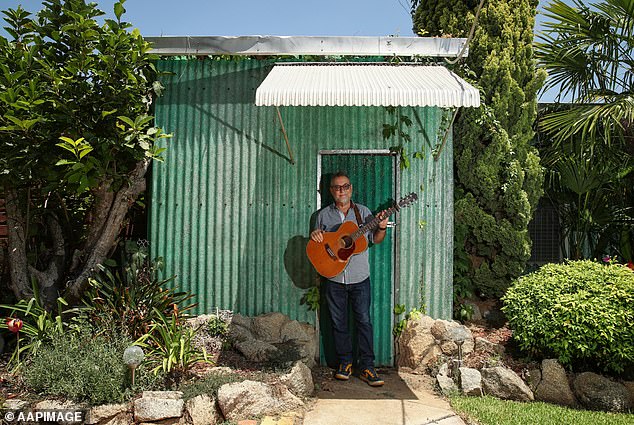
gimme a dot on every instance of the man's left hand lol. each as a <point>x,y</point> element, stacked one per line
<point>383,216</point>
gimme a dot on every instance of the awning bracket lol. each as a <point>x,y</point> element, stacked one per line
<point>288,145</point>
<point>446,135</point>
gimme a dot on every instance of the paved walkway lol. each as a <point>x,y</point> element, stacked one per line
<point>404,400</point>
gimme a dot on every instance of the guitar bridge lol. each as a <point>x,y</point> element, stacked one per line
<point>330,252</point>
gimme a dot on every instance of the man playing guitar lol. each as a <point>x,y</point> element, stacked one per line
<point>352,284</point>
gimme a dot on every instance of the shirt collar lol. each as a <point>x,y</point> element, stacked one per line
<point>334,206</point>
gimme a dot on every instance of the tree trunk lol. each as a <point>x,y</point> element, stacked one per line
<point>98,251</point>
<point>20,282</point>
<point>104,198</point>
<point>109,213</point>
<point>48,279</point>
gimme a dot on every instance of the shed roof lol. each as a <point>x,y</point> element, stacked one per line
<point>267,45</point>
<point>364,85</point>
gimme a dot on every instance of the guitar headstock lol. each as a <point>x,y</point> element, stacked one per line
<point>408,200</point>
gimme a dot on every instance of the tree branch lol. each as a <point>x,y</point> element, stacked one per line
<point>98,252</point>
<point>100,212</point>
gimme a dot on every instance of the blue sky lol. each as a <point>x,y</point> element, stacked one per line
<point>248,17</point>
<point>271,17</point>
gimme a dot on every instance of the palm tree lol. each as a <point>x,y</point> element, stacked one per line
<point>588,51</point>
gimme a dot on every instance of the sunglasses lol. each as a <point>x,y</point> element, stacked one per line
<point>343,187</point>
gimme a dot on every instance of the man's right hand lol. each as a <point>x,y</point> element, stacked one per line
<point>317,235</point>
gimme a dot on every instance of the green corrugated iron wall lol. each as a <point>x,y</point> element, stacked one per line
<point>230,214</point>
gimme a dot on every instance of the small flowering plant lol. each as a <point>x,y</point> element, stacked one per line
<point>35,325</point>
<point>13,324</point>
<point>609,260</point>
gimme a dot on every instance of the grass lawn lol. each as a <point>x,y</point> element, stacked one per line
<point>492,411</point>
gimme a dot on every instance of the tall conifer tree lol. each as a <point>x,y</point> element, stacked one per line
<point>497,171</point>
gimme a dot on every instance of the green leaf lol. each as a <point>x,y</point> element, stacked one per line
<point>65,146</point>
<point>106,113</point>
<point>119,10</point>
<point>142,120</point>
<point>84,151</point>
<point>64,162</point>
<point>126,120</point>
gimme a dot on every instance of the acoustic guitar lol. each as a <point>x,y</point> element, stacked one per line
<point>331,256</point>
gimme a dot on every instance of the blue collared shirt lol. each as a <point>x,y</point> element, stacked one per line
<point>329,219</point>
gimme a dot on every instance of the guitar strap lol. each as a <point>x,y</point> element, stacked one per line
<point>357,214</point>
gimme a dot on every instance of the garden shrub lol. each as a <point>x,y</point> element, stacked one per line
<point>578,312</point>
<point>217,326</point>
<point>86,369</point>
<point>127,301</point>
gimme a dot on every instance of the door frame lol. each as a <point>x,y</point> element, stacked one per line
<point>393,225</point>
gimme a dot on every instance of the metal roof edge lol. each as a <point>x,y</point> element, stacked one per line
<point>269,45</point>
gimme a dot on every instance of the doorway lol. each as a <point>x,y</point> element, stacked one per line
<point>374,177</point>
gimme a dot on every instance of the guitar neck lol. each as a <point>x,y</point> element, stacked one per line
<point>372,224</point>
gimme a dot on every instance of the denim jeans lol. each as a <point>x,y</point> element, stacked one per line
<point>358,294</point>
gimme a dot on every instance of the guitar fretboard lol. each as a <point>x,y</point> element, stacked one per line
<point>372,224</point>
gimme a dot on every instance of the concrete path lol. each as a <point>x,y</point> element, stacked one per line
<point>404,400</point>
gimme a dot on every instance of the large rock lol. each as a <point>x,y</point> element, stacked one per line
<point>247,399</point>
<point>15,404</point>
<point>487,346</point>
<point>554,386</point>
<point>599,393</point>
<point>273,336</point>
<point>158,405</point>
<point>105,412</point>
<point>424,339</point>
<point>295,331</point>
<point>256,350</point>
<point>305,338</point>
<point>240,320</point>
<point>503,383</point>
<point>268,327</point>
<point>470,381</point>
<point>238,333</point>
<point>55,405</point>
<point>299,380</point>
<point>58,405</point>
<point>201,410</point>
<point>446,384</point>
<point>450,335</point>
<point>120,419</point>
<point>417,346</point>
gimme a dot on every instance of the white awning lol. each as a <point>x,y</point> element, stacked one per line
<point>365,85</point>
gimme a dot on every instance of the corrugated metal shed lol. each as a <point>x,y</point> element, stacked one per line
<point>365,85</point>
<point>230,214</point>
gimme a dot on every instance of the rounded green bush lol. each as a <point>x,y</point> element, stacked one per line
<point>579,311</point>
<point>84,368</point>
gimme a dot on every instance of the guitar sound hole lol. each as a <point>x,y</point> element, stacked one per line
<point>347,242</point>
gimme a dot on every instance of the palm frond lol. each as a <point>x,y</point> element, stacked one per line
<point>586,48</point>
<point>590,121</point>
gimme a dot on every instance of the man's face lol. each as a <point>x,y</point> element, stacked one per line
<point>341,190</point>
